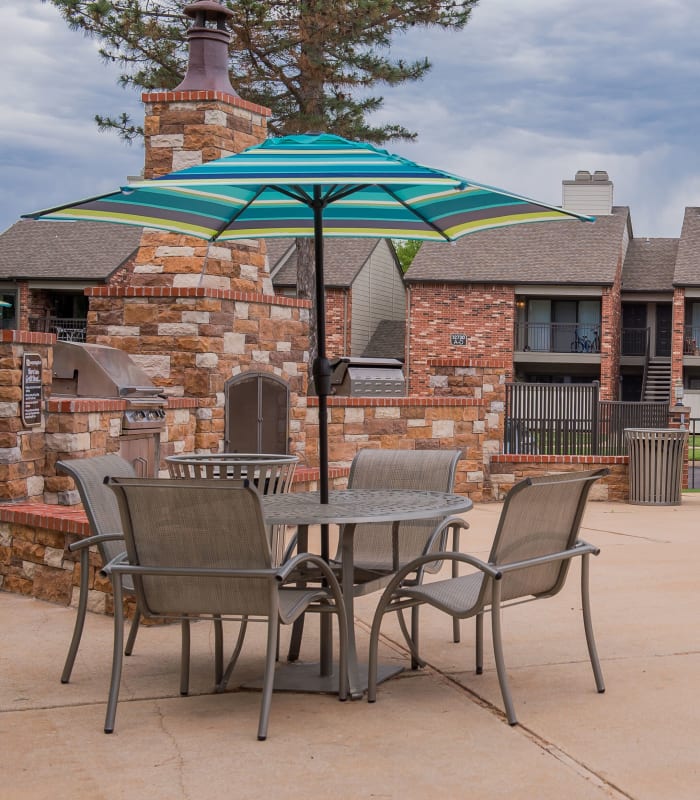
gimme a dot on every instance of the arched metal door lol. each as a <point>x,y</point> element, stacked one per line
<point>257,414</point>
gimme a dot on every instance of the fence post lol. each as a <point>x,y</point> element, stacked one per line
<point>595,438</point>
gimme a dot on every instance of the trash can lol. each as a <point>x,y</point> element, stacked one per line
<point>655,465</point>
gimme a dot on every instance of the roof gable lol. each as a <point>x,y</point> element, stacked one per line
<point>546,252</point>
<point>687,271</point>
<point>649,265</point>
<point>342,261</point>
<point>79,251</point>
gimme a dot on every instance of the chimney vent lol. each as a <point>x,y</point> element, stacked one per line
<point>588,194</point>
<point>208,62</point>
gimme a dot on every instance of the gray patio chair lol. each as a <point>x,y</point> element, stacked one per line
<point>200,549</point>
<point>428,470</point>
<point>106,527</point>
<point>536,538</point>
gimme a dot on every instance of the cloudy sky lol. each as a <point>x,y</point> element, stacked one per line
<point>527,94</point>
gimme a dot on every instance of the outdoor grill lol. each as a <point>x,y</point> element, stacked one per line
<point>367,377</point>
<point>93,370</point>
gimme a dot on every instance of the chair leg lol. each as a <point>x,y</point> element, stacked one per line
<point>479,644</point>
<point>295,639</point>
<point>268,681</point>
<point>80,616</point>
<point>185,658</point>
<point>116,655</point>
<point>218,651</point>
<point>226,675</point>
<point>129,649</point>
<point>415,633</point>
<point>456,629</point>
<point>588,624</point>
<point>498,653</point>
<point>416,660</point>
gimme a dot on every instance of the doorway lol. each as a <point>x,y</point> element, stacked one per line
<point>257,414</point>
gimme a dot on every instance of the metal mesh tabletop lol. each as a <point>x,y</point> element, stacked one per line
<point>361,505</point>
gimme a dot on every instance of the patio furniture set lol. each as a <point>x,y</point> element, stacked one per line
<point>208,542</point>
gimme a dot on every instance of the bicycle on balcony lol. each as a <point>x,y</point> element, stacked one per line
<point>585,344</point>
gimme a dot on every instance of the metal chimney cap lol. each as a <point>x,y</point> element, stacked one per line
<point>211,9</point>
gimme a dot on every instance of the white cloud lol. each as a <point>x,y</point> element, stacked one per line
<point>528,93</point>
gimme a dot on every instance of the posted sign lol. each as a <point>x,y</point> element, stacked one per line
<point>31,389</point>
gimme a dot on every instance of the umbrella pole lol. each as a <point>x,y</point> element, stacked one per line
<point>321,366</point>
<point>322,382</point>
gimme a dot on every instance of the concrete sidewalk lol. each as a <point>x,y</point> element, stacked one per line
<point>439,732</point>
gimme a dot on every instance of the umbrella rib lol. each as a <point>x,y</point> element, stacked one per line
<point>415,213</point>
<point>230,220</point>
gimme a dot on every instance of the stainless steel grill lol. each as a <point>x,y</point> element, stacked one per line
<point>367,377</point>
<point>93,370</point>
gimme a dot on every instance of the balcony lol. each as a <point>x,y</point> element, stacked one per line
<point>691,342</point>
<point>67,329</point>
<point>557,338</point>
<point>635,342</point>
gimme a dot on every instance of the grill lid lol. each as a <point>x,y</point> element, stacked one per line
<point>94,370</point>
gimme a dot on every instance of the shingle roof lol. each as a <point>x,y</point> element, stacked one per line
<point>388,340</point>
<point>649,265</point>
<point>342,260</point>
<point>552,252</point>
<point>687,272</point>
<point>78,251</point>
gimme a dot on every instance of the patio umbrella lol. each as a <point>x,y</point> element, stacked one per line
<point>312,185</point>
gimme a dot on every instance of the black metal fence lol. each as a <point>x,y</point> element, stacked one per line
<point>570,419</point>
<point>694,453</point>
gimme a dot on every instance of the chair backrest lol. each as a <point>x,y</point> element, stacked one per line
<point>98,500</point>
<point>540,516</point>
<point>429,470</point>
<point>196,524</point>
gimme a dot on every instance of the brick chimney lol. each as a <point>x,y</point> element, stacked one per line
<point>588,194</point>
<point>202,119</point>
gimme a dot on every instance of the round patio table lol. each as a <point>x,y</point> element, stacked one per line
<point>349,508</point>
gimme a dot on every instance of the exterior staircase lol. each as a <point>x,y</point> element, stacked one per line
<point>657,386</point>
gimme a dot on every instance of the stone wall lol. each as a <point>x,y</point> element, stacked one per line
<point>506,470</point>
<point>22,448</point>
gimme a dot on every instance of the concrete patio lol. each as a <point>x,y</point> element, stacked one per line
<point>439,732</point>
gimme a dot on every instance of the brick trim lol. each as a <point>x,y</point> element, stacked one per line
<point>194,291</point>
<point>483,363</point>
<point>27,337</point>
<point>205,94</point>
<point>53,518</point>
<point>543,459</point>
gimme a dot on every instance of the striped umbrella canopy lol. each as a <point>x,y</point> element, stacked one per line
<point>312,185</point>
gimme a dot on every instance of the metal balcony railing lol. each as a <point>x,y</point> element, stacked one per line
<point>635,341</point>
<point>557,337</point>
<point>691,341</point>
<point>67,329</point>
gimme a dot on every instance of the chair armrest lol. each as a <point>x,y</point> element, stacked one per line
<point>450,522</point>
<point>101,537</point>
<point>579,549</point>
<point>443,555</point>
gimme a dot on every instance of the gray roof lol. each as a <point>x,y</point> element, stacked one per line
<point>687,272</point>
<point>77,251</point>
<point>649,265</point>
<point>547,252</point>
<point>388,340</point>
<point>342,261</point>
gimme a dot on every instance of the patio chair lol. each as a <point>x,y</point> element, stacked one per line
<point>105,525</point>
<point>200,549</point>
<point>428,470</point>
<point>536,538</point>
